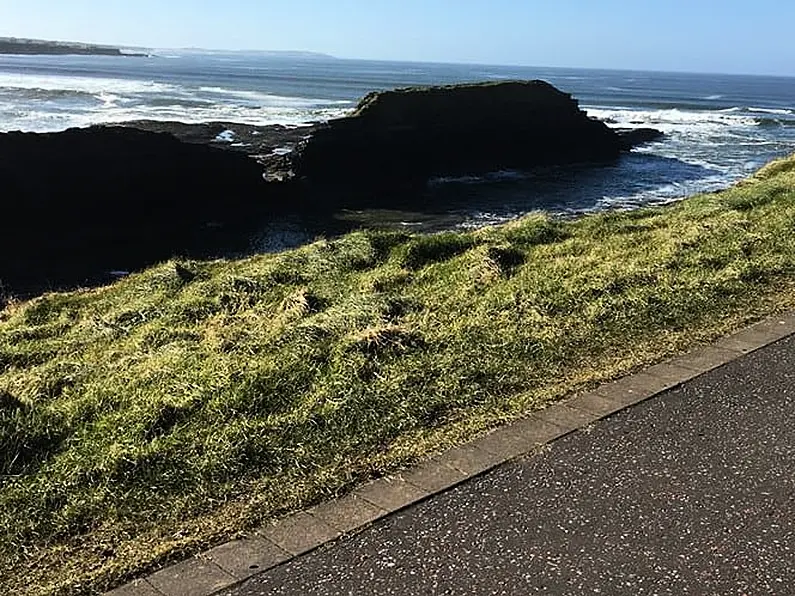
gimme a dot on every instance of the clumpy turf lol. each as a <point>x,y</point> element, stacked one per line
<point>152,418</point>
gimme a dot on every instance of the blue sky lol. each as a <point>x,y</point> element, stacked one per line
<point>679,35</point>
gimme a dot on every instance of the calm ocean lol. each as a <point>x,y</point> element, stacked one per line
<point>719,128</point>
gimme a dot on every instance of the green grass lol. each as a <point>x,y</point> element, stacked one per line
<point>150,419</point>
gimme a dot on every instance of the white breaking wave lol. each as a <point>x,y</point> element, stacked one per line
<point>88,85</point>
<point>227,136</point>
<point>13,119</point>
<point>110,99</point>
<point>777,112</point>
<point>33,103</point>
<point>269,99</point>
<point>673,120</point>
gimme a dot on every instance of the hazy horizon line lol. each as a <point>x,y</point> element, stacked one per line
<point>325,55</point>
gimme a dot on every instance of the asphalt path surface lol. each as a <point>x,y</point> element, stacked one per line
<point>692,492</point>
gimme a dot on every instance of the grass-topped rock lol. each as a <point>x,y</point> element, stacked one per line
<point>152,418</point>
<point>400,138</point>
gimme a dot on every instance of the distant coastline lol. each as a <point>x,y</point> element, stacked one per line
<point>17,46</point>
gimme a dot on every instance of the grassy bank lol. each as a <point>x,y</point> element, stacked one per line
<point>160,415</point>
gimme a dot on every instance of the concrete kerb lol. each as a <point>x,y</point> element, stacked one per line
<point>300,533</point>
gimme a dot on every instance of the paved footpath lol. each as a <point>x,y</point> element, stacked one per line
<point>691,492</point>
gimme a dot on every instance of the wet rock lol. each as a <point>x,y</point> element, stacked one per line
<point>632,137</point>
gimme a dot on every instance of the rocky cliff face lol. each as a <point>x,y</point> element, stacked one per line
<point>84,201</point>
<point>79,202</point>
<point>406,136</point>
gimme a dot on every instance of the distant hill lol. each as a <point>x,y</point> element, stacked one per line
<point>18,45</point>
<point>292,54</point>
<point>14,45</point>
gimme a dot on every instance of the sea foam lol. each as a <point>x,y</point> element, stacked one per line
<point>90,85</point>
<point>672,120</point>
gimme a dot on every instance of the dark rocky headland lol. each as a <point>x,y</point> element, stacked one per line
<point>79,203</point>
<point>14,45</point>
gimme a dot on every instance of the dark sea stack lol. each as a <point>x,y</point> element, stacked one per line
<point>405,136</point>
<point>83,201</point>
